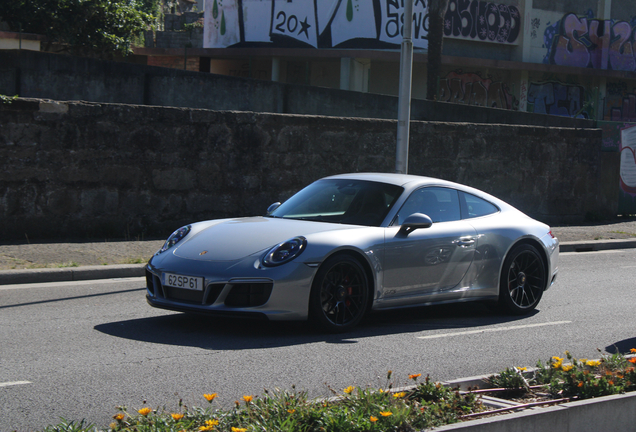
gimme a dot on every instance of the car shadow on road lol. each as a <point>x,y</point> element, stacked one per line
<point>238,334</point>
<point>622,347</point>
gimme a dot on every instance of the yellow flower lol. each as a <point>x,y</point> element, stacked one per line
<point>119,416</point>
<point>176,416</point>
<point>235,429</point>
<point>349,390</point>
<point>399,395</point>
<point>583,361</point>
<point>521,369</point>
<point>248,399</point>
<point>567,368</point>
<point>593,363</point>
<point>210,397</point>
<point>415,376</point>
<point>386,413</point>
<point>209,425</point>
<point>144,411</point>
<point>291,411</point>
<point>373,419</point>
<point>557,362</point>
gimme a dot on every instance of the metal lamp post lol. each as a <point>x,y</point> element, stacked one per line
<point>404,101</point>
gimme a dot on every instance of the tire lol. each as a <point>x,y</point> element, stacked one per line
<point>523,280</point>
<point>339,296</point>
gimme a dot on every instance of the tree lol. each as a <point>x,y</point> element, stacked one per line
<point>436,11</point>
<point>84,27</point>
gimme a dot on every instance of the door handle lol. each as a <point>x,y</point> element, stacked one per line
<point>465,242</point>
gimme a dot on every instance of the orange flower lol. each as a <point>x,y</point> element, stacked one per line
<point>415,376</point>
<point>373,419</point>
<point>144,411</point>
<point>632,360</point>
<point>210,397</point>
<point>176,416</point>
<point>248,399</point>
<point>291,411</point>
<point>633,350</point>
<point>579,385</point>
<point>386,413</point>
<point>119,416</point>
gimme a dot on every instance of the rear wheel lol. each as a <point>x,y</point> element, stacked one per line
<point>340,294</point>
<point>522,280</point>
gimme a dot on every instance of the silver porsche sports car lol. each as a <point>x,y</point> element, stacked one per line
<point>351,243</point>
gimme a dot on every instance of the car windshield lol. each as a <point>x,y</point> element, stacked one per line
<point>354,202</point>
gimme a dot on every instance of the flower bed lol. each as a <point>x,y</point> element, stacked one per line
<point>420,405</point>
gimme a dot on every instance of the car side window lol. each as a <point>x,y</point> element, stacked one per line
<point>477,207</point>
<point>438,203</point>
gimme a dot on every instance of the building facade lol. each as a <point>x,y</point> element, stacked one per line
<point>570,58</point>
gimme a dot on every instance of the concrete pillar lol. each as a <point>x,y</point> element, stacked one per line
<point>524,85</point>
<point>345,73</point>
<point>604,9</point>
<point>602,94</point>
<point>275,69</point>
<point>527,29</point>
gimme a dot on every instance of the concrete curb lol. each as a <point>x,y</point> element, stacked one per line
<point>596,245</point>
<point>68,274</point>
<point>606,413</point>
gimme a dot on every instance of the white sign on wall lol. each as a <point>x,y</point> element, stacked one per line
<point>312,23</point>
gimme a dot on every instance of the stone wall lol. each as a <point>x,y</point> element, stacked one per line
<point>62,77</point>
<point>111,171</point>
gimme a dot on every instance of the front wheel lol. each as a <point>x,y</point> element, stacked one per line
<point>522,280</point>
<point>339,295</point>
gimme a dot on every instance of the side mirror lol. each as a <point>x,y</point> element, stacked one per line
<point>273,207</point>
<point>415,221</point>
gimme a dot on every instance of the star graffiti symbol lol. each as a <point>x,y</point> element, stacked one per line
<point>305,27</point>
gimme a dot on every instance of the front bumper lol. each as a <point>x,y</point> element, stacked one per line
<point>242,288</point>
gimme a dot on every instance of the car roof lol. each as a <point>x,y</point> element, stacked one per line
<point>396,179</point>
<point>410,182</point>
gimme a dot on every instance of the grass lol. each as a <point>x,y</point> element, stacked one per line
<point>624,233</point>
<point>421,405</point>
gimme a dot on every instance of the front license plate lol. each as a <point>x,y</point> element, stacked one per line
<point>180,281</point>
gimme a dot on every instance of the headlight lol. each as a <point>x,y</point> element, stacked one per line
<point>175,238</point>
<point>284,252</point>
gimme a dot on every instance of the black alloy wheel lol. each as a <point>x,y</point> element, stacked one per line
<point>340,294</point>
<point>523,280</point>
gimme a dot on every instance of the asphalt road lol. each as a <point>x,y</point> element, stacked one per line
<point>77,350</point>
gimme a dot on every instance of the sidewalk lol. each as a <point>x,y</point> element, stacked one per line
<point>41,262</point>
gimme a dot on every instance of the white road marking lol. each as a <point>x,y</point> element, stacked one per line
<point>491,330</point>
<point>13,383</point>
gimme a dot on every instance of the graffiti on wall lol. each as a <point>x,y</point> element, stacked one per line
<point>620,102</point>
<point>555,98</point>
<point>472,89</point>
<point>588,42</point>
<point>482,20</point>
<point>362,24</point>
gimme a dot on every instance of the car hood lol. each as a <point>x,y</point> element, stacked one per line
<point>234,239</point>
